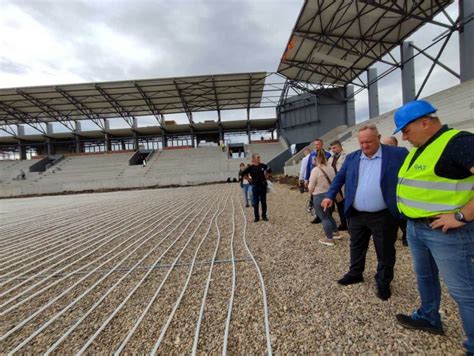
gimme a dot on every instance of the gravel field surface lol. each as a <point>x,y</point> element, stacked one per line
<point>186,270</point>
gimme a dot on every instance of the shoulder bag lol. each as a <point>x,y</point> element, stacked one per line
<point>339,196</point>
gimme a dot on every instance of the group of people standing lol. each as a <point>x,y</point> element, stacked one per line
<point>318,169</point>
<point>428,192</point>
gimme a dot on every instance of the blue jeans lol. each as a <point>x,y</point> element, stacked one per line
<point>450,255</point>
<point>247,191</point>
<point>328,222</point>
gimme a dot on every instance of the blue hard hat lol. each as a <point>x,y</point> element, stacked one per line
<point>412,111</point>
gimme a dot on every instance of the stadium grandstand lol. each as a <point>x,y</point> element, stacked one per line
<point>125,268</point>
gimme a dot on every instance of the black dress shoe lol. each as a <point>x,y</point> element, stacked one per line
<point>418,324</point>
<point>347,280</point>
<point>265,218</point>
<point>384,293</point>
<point>342,227</point>
<point>256,220</point>
<point>316,220</point>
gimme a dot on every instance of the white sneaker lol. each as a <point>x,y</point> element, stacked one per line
<point>327,242</point>
<point>337,236</point>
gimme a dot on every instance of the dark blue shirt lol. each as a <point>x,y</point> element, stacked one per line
<point>457,158</point>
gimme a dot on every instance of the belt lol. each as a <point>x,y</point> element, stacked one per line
<point>427,221</point>
<point>369,212</point>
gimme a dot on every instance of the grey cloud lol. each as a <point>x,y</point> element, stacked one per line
<point>192,37</point>
<point>189,37</point>
<point>8,66</point>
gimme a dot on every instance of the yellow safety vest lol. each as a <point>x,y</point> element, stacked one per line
<point>421,193</point>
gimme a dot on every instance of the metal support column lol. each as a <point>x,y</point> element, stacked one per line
<point>164,140</point>
<point>135,141</point>
<point>77,136</point>
<point>466,44</point>
<point>22,149</point>
<point>192,137</point>
<point>248,132</point>
<point>20,129</point>
<point>248,125</point>
<point>408,72</point>
<point>373,92</point>
<point>350,105</point>
<point>108,145</point>
<point>49,139</point>
<point>135,134</point>
<point>278,122</point>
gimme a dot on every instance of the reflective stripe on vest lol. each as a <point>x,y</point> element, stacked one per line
<point>436,185</point>
<point>421,193</point>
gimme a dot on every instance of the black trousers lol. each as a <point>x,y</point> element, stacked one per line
<point>383,227</point>
<point>259,196</point>
<point>402,223</point>
<point>340,210</point>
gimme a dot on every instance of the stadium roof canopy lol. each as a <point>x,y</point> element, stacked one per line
<point>334,41</point>
<point>128,99</point>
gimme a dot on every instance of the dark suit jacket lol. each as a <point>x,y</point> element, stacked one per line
<point>392,160</point>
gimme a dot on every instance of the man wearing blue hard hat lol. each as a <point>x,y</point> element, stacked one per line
<point>435,192</point>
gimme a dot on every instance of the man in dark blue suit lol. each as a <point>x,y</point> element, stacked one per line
<point>370,179</point>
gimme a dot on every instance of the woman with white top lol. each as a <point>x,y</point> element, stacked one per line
<point>319,181</point>
<point>246,187</point>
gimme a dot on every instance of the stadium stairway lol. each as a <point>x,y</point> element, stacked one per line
<point>267,150</point>
<point>10,170</point>
<point>191,166</point>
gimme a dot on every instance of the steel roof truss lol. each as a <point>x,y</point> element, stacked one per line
<point>124,114</point>
<point>435,61</point>
<point>374,26</point>
<point>88,113</point>
<point>7,128</point>
<point>423,52</point>
<point>405,12</point>
<point>20,116</point>
<point>156,112</point>
<point>52,113</point>
<point>351,22</point>
<point>184,103</point>
<point>216,99</point>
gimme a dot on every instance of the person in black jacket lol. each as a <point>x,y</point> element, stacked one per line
<point>258,175</point>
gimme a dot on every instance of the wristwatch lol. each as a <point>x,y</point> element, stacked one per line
<point>460,217</point>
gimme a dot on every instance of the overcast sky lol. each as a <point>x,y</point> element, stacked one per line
<point>58,41</point>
